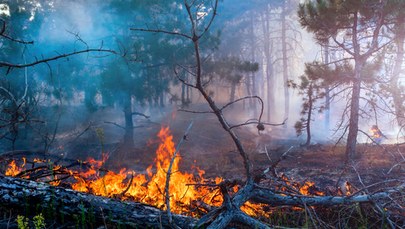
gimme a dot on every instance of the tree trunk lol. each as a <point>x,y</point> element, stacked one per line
<point>129,124</point>
<point>354,114</point>
<point>233,91</point>
<point>356,89</point>
<point>309,117</point>
<point>269,65</point>
<point>327,93</point>
<point>285,61</point>
<point>183,95</point>
<point>253,55</point>
<point>394,84</point>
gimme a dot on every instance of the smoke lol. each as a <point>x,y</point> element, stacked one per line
<point>71,21</point>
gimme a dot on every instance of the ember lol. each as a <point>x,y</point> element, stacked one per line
<point>376,135</point>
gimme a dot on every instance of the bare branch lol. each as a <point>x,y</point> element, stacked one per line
<point>46,60</point>
<point>161,31</point>
<point>2,34</point>
<point>196,112</point>
<point>140,114</point>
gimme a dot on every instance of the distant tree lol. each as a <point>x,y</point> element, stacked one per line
<point>396,69</point>
<point>312,90</point>
<point>355,27</point>
<point>230,70</point>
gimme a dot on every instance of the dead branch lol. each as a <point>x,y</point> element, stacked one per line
<point>121,126</point>
<point>266,196</point>
<point>161,31</point>
<point>169,172</point>
<point>195,112</point>
<point>3,34</point>
<point>141,114</point>
<point>274,164</point>
<point>49,59</point>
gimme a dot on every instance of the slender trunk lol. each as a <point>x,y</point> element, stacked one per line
<point>188,89</point>
<point>253,54</point>
<point>270,90</point>
<point>327,93</point>
<point>269,66</point>
<point>233,90</point>
<point>355,99</point>
<point>394,84</point>
<point>183,95</point>
<point>162,99</point>
<point>309,117</point>
<point>248,92</point>
<point>354,120</point>
<point>129,125</point>
<point>285,61</point>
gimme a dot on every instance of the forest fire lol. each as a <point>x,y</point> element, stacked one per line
<point>187,191</point>
<point>146,188</point>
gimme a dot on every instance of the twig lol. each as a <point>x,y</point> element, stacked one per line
<point>168,174</point>
<point>102,215</point>
<point>272,168</point>
<point>394,166</point>
<point>120,126</point>
<point>196,112</point>
<point>141,114</point>
<point>377,206</point>
<point>128,187</point>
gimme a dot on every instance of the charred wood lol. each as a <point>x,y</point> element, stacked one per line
<point>24,195</point>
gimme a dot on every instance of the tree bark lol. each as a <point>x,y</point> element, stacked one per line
<point>327,92</point>
<point>129,124</point>
<point>309,117</point>
<point>356,89</point>
<point>269,65</point>
<point>285,61</point>
<point>394,84</point>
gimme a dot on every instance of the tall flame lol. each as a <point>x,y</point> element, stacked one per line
<point>150,187</point>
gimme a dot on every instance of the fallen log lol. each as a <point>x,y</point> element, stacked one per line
<point>29,197</point>
<point>266,196</point>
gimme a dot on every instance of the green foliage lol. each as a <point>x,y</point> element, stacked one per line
<point>22,222</point>
<point>229,69</point>
<point>39,221</point>
<point>326,18</point>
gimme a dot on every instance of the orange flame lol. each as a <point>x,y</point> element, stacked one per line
<point>13,169</point>
<point>150,188</point>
